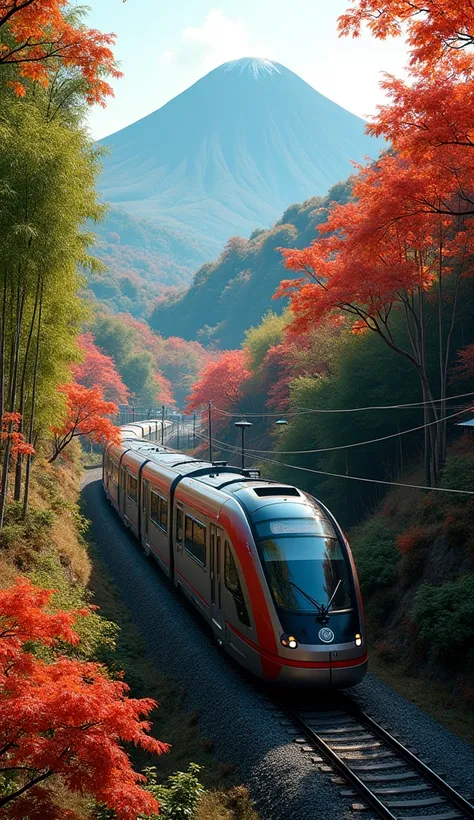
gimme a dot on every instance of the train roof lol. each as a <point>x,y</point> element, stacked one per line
<point>251,492</point>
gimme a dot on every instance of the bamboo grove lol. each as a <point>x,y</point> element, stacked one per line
<point>48,168</point>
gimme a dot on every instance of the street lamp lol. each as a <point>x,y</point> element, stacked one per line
<point>243,424</point>
<point>281,422</point>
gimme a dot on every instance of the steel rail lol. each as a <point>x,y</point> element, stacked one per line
<point>455,798</point>
<point>352,710</point>
<point>342,767</point>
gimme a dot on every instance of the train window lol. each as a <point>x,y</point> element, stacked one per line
<point>188,540</point>
<point>164,514</point>
<point>132,488</point>
<point>195,540</point>
<point>232,583</point>
<point>155,508</point>
<point>179,525</point>
<point>159,511</point>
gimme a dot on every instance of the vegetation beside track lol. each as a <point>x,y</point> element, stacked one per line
<point>49,548</point>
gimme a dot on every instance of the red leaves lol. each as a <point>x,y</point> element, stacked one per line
<point>87,413</point>
<point>221,382</point>
<point>432,28</point>
<point>98,370</point>
<point>10,423</point>
<point>65,717</point>
<point>43,36</point>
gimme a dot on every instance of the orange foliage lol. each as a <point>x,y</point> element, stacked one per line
<point>465,366</point>
<point>10,423</point>
<point>377,250</point>
<point>86,415</point>
<point>221,382</point>
<point>98,370</point>
<point>41,37</point>
<point>432,27</point>
<point>63,718</point>
<point>412,539</point>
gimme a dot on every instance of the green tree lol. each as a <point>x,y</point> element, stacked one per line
<point>48,167</point>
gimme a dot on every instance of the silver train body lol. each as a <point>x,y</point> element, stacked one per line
<point>265,564</point>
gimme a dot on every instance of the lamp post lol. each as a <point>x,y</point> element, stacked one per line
<point>209,429</point>
<point>243,424</point>
<point>281,422</point>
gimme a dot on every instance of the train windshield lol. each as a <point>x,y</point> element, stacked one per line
<point>304,563</point>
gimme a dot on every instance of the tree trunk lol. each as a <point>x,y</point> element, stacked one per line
<point>19,463</point>
<point>14,357</point>
<point>33,404</point>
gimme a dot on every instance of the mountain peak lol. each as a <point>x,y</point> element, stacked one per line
<point>255,66</point>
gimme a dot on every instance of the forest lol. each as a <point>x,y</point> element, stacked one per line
<point>354,378</point>
<point>356,389</point>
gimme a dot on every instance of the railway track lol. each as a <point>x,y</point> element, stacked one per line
<point>373,766</point>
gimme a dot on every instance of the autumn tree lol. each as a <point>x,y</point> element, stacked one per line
<point>86,415</point>
<point>98,370</point>
<point>43,165</point>
<point>221,383</point>
<point>62,718</point>
<point>404,244</point>
<point>39,38</point>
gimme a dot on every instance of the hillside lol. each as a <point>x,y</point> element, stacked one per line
<point>141,262</point>
<point>226,156</point>
<point>231,294</point>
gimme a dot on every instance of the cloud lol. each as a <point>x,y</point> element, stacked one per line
<point>167,57</point>
<point>217,41</point>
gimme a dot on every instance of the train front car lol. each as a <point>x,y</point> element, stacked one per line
<point>312,593</point>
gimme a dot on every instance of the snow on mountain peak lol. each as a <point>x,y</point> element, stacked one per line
<point>255,66</point>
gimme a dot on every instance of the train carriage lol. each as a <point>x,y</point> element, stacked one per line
<point>266,564</point>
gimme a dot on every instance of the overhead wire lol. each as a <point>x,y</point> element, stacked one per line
<point>236,450</point>
<point>305,410</point>
<point>360,443</point>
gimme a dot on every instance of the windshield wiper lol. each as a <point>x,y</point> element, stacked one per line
<point>322,609</point>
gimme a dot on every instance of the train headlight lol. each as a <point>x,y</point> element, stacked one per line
<point>358,640</point>
<point>289,641</point>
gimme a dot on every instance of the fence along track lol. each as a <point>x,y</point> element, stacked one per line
<point>388,777</point>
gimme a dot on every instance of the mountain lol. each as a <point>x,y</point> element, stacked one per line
<point>232,294</point>
<point>226,156</point>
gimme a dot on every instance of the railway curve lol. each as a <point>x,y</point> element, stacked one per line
<point>283,781</point>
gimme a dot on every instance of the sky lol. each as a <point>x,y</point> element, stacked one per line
<point>164,47</point>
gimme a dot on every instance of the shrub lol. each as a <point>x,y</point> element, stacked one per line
<point>458,473</point>
<point>444,616</point>
<point>414,538</point>
<point>376,555</point>
<point>178,799</point>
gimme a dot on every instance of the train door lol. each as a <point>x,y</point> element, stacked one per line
<point>145,515</point>
<point>216,573</point>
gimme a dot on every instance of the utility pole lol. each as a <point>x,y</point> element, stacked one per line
<point>209,429</point>
<point>177,444</point>
<point>194,429</point>
<point>162,423</point>
<point>243,424</point>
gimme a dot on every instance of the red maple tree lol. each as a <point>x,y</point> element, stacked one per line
<point>9,429</point>
<point>98,370</point>
<point>432,27</point>
<point>220,383</point>
<point>86,415</point>
<point>405,241</point>
<point>40,35</point>
<point>63,718</point>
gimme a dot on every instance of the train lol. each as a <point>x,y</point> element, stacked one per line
<point>266,564</point>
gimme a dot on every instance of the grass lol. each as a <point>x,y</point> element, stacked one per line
<point>49,547</point>
<point>223,800</point>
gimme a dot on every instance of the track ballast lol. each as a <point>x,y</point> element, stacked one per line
<point>385,775</point>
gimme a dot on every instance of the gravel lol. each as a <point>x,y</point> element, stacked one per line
<point>246,731</point>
